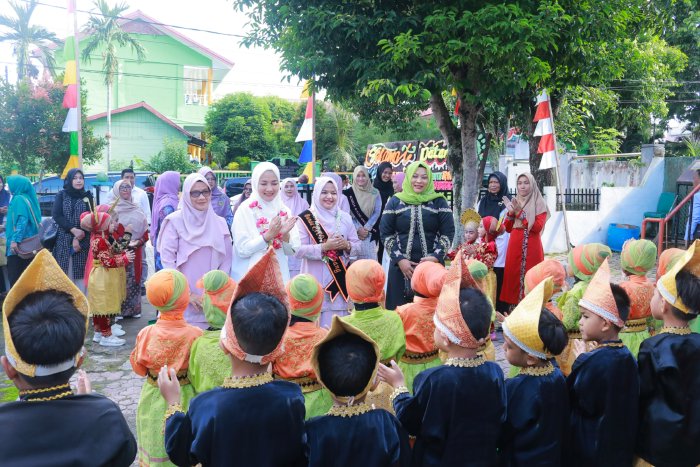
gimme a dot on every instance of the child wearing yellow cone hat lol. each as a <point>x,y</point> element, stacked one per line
<point>603,384</point>
<point>636,259</point>
<point>669,370</point>
<point>538,402</point>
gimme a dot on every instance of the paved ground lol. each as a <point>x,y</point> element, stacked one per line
<point>111,375</point>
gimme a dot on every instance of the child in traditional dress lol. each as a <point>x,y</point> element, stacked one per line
<point>583,262</point>
<point>251,419</point>
<point>636,259</point>
<point>669,370</point>
<point>667,259</point>
<point>470,220</point>
<point>106,285</point>
<point>209,365</point>
<point>459,408</point>
<point>417,317</point>
<point>165,344</point>
<point>306,299</point>
<point>603,384</point>
<point>365,281</point>
<point>353,433</point>
<point>474,274</point>
<point>45,320</point>
<point>538,402</point>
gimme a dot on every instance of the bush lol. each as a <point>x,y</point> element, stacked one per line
<point>173,156</point>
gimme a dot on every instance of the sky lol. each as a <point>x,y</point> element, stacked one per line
<point>256,70</point>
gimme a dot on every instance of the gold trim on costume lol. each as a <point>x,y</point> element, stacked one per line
<point>242,382</point>
<point>635,325</point>
<point>152,378</point>
<point>680,331</point>
<point>544,370</point>
<point>414,358</point>
<point>306,384</point>
<point>397,392</point>
<point>574,334</point>
<point>349,410</point>
<point>614,345</point>
<point>40,395</point>
<point>473,362</point>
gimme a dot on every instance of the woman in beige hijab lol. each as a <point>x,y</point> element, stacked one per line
<point>365,210</point>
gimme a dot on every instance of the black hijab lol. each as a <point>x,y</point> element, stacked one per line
<point>68,185</point>
<point>386,189</point>
<point>490,204</point>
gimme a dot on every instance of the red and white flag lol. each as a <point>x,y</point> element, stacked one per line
<point>306,131</point>
<point>545,130</point>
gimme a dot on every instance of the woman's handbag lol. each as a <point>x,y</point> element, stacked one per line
<point>30,246</point>
<point>48,230</point>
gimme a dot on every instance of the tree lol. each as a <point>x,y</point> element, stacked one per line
<point>106,34</point>
<point>31,139</point>
<point>387,60</point>
<point>173,156</point>
<point>24,38</point>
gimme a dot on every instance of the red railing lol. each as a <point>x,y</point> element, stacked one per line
<point>663,221</point>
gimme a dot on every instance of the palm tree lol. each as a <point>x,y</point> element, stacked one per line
<point>25,38</point>
<point>342,125</point>
<point>105,32</point>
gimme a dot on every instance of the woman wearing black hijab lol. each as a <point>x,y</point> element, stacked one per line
<point>383,183</point>
<point>72,243</point>
<point>492,205</point>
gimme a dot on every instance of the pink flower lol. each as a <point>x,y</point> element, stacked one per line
<point>260,222</point>
<point>283,214</point>
<point>254,204</point>
<point>276,244</point>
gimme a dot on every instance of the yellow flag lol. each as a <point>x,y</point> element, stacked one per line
<point>70,75</point>
<point>73,163</point>
<point>309,171</point>
<point>306,92</point>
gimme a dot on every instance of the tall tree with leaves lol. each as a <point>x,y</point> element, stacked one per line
<point>105,35</point>
<point>25,37</point>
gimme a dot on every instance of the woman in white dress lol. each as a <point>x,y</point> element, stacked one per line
<point>263,221</point>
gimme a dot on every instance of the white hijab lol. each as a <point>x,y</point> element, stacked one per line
<point>272,208</point>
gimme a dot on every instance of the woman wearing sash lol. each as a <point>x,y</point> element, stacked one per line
<point>328,239</point>
<point>416,226</point>
<point>297,205</point>
<point>365,209</point>
<point>263,221</point>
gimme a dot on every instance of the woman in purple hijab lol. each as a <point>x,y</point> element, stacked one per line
<point>343,203</point>
<point>219,201</point>
<point>164,203</point>
<point>194,240</point>
<point>296,204</point>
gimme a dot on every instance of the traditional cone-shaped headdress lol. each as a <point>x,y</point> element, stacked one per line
<point>339,328</point>
<point>522,325</point>
<point>690,262</point>
<point>42,274</point>
<point>448,315</point>
<point>598,297</point>
<point>263,277</point>
<point>470,216</point>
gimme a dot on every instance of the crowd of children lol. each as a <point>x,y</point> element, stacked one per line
<point>598,383</point>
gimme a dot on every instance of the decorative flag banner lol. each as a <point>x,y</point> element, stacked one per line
<point>545,130</point>
<point>306,131</point>
<point>309,171</point>
<point>306,152</point>
<point>70,98</point>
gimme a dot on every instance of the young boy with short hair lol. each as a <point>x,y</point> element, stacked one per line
<point>251,419</point>
<point>353,433</point>
<point>669,370</point>
<point>45,321</point>
<point>458,409</point>
<point>603,384</point>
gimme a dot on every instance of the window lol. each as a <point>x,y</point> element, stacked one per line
<point>196,85</point>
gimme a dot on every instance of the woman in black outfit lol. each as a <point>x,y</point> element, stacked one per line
<point>385,186</point>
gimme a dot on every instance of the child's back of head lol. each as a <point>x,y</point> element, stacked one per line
<point>346,364</point>
<point>622,301</point>
<point>476,311</point>
<point>638,257</point>
<point>259,322</point>
<point>365,281</point>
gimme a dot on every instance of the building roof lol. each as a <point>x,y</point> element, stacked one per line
<point>142,105</point>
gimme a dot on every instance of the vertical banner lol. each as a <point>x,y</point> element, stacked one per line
<point>71,100</point>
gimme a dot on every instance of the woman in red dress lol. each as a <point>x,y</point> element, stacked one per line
<point>527,214</point>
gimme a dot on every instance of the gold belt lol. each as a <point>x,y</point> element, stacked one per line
<point>635,325</point>
<point>574,334</point>
<point>181,378</point>
<point>417,358</point>
<point>305,383</point>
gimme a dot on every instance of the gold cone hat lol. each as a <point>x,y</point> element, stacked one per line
<point>690,261</point>
<point>522,325</point>
<point>598,297</point>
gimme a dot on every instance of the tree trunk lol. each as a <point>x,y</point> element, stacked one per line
<point>484,157</point>
<point>470,160</point>
<point>109,124</point>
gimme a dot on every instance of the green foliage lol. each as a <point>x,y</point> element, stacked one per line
<point>32,117</point>
<point>692,144</point>
<point>605,140</point>
<point>173,156</point>
<point>26,39</point>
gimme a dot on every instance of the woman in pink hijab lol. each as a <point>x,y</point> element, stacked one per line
<point>328,239</point>
<point>195,240</point>
<point>296,204</point>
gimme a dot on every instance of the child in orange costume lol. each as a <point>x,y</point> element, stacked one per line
<point>547,268</point>
<point>421,351</point>
<point>165,344</point>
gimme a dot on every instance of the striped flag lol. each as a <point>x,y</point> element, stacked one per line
<point>306,131</point>
<point>545,130</point>
<point>71,100</point>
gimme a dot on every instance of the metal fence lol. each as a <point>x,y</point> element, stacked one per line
<point>580,199</point>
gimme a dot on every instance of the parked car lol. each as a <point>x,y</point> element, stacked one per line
<point>47,188</point>
<point>234,186</point>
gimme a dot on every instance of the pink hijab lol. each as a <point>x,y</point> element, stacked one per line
<point>295,203</point>
<point>343,202</point>
<point>197,229</point>
<point>325,216</point>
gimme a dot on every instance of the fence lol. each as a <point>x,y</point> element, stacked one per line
<point>580,199</point>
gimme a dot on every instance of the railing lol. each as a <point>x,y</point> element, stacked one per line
<point>580,199</point>
<point>662,235</point>
<point>624,155</point>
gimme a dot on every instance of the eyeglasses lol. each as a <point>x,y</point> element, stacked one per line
<point>197,194</point>
<point>211,179</point>
<point>125,187</point>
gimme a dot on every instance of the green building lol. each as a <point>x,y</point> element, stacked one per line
<point>165,96</point>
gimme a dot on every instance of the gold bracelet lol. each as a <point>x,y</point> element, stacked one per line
<point>397,392</point>
<point>169,412</point>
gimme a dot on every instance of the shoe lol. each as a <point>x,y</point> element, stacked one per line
<point>118,331</point>
<point>112,341</point>
<point>118,318</point>
<point>116,325</point>
<point>137,316</point>
<point>97,337</point>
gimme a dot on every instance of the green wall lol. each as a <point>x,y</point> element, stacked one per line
<point>135,133</point>
<point>157,80</point>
